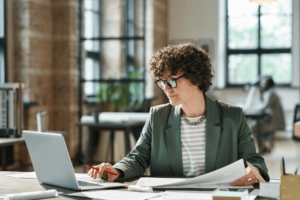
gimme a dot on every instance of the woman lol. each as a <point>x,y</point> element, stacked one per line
<point>192,134</point>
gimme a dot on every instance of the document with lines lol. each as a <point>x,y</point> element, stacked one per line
<point>224,176</point>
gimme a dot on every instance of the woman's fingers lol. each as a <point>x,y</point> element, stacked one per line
<point>248,179</point>
<point>101,174</point>
<point>95,172</point>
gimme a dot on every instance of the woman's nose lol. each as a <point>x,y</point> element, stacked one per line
<point>167,87</point>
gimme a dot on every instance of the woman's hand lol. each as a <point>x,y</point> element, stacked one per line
<point>101,174</point>
<point>244,180</point>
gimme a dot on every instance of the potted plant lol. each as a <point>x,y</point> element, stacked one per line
<point>123,95</point>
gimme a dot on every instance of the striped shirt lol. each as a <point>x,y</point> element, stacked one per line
<point>193,147</point>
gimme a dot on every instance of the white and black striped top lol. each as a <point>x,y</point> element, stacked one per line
<point>193,147</point>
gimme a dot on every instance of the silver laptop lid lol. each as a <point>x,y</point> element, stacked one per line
<point>50,159</point>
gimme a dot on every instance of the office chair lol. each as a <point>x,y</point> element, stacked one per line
<point>296,119</point>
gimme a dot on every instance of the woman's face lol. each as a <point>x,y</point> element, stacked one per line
<point>182,93</point>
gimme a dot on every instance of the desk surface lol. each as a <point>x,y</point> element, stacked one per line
<point>10,141</point>
<point>10,185</point>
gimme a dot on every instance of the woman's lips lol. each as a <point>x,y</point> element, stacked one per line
<point>172,96</point>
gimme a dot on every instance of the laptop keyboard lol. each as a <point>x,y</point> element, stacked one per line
<point>83,183</point>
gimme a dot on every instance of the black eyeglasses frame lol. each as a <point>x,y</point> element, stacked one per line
<point>175,79</point>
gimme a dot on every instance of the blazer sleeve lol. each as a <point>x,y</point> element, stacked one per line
<point>136,162</point>
<point>246,147</point>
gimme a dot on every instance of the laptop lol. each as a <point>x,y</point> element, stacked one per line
<point>52,163</point>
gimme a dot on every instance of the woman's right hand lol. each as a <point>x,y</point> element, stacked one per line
<point>101,174</point>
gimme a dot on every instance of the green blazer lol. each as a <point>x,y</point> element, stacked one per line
<point>228,138</point>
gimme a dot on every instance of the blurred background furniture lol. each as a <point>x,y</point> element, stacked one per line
<point>296,121</point>
<point>11,115</point>
<point>43,121</point>
<point>112,122</point>
<point>4,143</point>
<point>256,115</point>
<point>11,120</point>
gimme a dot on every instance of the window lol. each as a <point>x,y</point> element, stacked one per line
<point>91,46</point>
<point>2,41</point>
<point>259,41</point>
<point>112,45</point>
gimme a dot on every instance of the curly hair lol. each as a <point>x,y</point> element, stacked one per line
<point>187,58</point>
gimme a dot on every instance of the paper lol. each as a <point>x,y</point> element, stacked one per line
<point>136,188</point>
<point>29,175</point>
<point>151,182</point>
<point>227,174</point>
<point>209,186</point>
<point>115,194</point>
<point>186,195</point>
<point>32,175</point>
<point>269,190</point>
<point>32,195</point>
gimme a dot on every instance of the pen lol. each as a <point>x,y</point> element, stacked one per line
<point>258,176</point>
<point>103,171</point>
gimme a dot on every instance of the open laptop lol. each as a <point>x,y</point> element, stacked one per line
<point>52,163</point>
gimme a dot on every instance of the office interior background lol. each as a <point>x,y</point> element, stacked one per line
<point>81,58</point>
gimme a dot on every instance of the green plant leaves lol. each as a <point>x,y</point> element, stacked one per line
<point>123,95</point>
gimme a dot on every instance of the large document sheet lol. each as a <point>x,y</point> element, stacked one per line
<point>115,195</point>
<point>186,195</point>
<point>32,175</point>
<point>225,175</point>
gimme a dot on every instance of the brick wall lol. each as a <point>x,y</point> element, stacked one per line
<point>156,38</point>
<point>45,59</point>
<point>45,53</point>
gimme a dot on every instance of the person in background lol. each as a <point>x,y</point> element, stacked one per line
<point>271,105</point>
<point>192,134</point>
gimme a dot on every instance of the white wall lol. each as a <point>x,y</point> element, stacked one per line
<point>196,19</point>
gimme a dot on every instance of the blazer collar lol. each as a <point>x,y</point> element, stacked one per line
<point>174,117</point>
<point>212,113</point>
<point>173,137</point>
<point>213,132</point>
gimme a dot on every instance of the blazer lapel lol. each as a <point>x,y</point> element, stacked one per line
<point>213,131</point>
<point>173,140</point>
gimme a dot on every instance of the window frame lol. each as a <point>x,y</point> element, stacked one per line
<point>92,98</point>
<point>3,42</point>
<point>93,55</point>
<point>258,51</point>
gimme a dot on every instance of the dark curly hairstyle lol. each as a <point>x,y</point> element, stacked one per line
<point>187,58</point>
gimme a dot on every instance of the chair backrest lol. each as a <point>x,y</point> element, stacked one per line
<point>297,113</point>
<point>42,121</point>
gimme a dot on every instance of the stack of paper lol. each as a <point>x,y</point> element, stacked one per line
<point>221,178</point>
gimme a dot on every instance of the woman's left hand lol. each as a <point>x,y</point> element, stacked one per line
<point>248,179</point>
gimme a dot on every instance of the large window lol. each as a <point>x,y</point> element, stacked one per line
<point>112,44</point>
<point>2,41</point>
<point>259,41</point>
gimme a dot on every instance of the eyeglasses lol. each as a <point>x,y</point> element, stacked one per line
<point>172,82</point>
